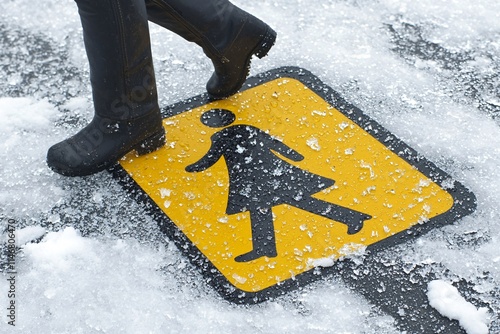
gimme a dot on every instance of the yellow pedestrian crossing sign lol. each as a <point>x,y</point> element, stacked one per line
<point>264,186</point>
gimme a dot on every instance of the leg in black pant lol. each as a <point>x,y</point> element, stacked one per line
<point>127,115</point>
<point>117,43</point>
<point>228,35</point>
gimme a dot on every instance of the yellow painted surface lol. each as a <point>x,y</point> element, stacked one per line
<point>368,178</point>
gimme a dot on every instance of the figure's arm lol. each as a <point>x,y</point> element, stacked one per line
<point>208,160</point>
<point>286,151</point>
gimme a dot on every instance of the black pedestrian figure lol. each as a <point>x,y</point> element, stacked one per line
<point>259,179</point>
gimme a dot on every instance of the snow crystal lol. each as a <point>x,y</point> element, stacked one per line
<point>164,192</point>
<point>313,143</point>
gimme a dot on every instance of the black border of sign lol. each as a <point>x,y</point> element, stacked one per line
<point>464,200</point>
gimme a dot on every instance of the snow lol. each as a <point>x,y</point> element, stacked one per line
<point>352,251</point>
<point>447,300</point>
<point>29,234</point>
<point>25,135</point>
<point>426,70</point>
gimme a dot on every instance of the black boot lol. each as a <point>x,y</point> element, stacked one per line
<point>228,35</point>
<point>127,115</point>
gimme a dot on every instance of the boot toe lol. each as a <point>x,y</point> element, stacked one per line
<point>63,159</point>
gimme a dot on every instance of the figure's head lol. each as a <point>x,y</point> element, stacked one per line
<point>217,118</point>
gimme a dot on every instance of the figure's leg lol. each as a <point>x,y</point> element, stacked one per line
<point>353,219</point>
<point>127,115</point>
<point>228,35</point>
<point>263,237</point>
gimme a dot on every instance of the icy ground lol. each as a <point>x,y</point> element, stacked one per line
<point>426,70</point>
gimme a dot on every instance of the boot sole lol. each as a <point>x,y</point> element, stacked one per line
<point>152,143</point>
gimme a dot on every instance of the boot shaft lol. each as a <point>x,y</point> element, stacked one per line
<point>212,24</point>
<point>117,42</point>
<point>228,35</point>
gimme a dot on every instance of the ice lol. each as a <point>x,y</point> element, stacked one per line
<point>425,70</point>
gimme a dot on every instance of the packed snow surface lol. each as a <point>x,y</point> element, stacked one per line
<point>427,70</point>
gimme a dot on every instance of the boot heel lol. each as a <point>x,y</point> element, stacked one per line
<point>152,143</point>
<point>266,43</point>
